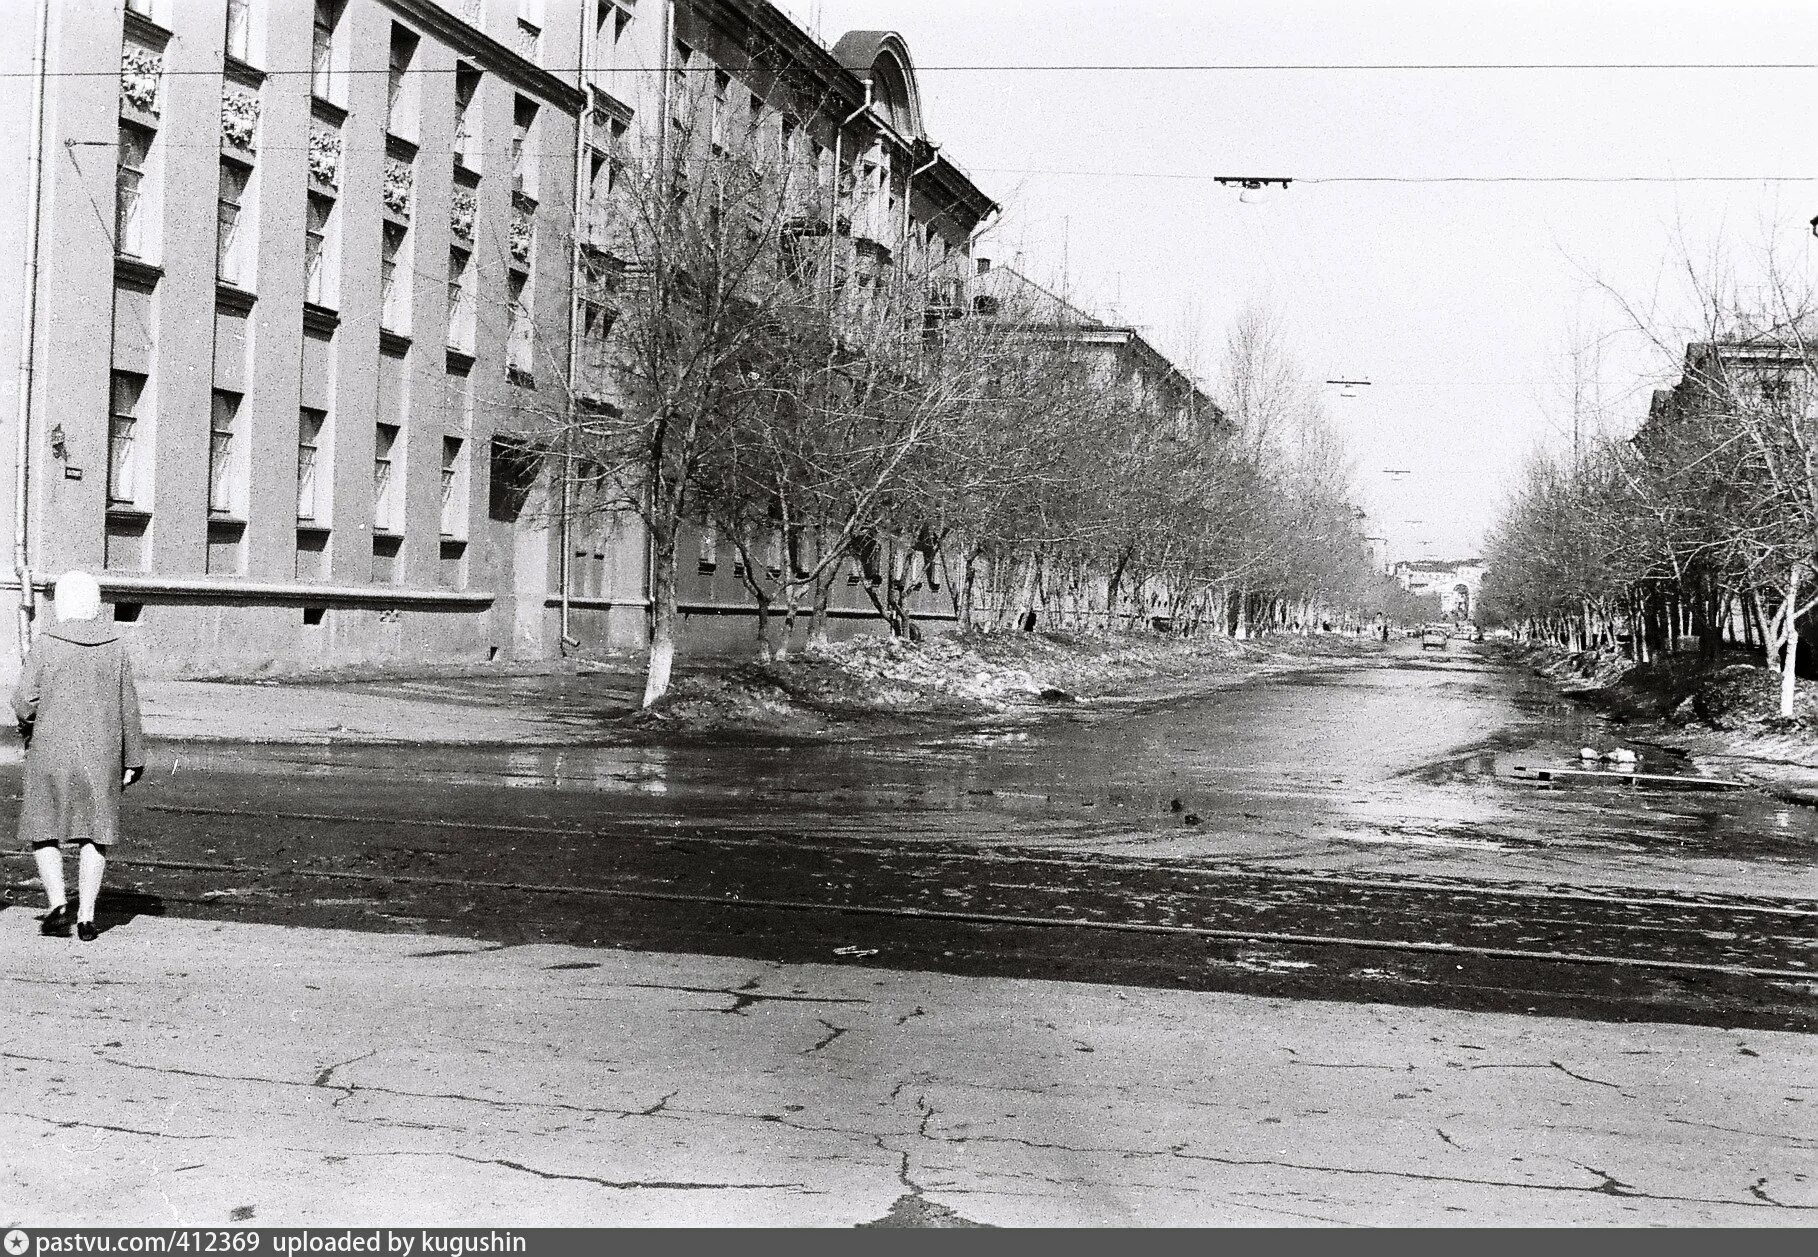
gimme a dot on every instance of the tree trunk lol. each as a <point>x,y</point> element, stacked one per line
<point>662,613</point>
<point>969,588</point>
<point>1789,675</point>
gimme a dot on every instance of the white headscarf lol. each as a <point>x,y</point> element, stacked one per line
<point>78,597</point>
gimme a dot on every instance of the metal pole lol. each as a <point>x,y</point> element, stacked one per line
<point>28,340</point>
<point>833,211</point>
<point>570,411</point>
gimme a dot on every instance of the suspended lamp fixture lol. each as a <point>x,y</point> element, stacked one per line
<point>1253,189</point>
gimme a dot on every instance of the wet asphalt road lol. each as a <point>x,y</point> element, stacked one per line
<point>1362,833</point>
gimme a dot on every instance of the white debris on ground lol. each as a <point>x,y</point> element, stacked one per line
<point>1011,666</point>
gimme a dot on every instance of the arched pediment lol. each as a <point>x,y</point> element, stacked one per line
<point>881,58</point>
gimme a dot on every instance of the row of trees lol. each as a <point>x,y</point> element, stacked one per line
<point>1704,522</point>
<point>822,398</point>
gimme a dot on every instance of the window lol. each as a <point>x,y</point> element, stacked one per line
<point>460,300</point>
<point>318,262</point>
<point>530,27</point>
<point>311,501</point>
<point>454,495</point>
<point>611,21</point>
<point>598,279</point>
<point>716,120</point>
<point>597,319</point>
<point>519,345</point>
<point>238,28</point>
<point>599,177</point>
<point>322,81</point>
<point>123,479</point>
<point>466,134</point>
<point>131,233</point>
<point>232,251</point>
<point>710,548</point>
<point>523,147</point>
<point>602,177</point>
<point>394,296</point>
<point>681,91</point>
<point>385,493</point>
<point>225,491</point>
<point>399,93</point>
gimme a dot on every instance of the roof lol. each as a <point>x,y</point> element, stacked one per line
<point>1043,310</point>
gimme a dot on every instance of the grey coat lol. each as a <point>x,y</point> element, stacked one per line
<point>79,714</point>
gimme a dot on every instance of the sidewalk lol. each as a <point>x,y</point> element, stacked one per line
<point>526,710</point>
<point>196,1073</point>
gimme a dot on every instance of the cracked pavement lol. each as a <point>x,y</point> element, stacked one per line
<point>290,1076</point>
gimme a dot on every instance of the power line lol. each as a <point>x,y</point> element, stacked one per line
<point>1206,178</point>
<point>1256,67</point>
<point>351,146</point>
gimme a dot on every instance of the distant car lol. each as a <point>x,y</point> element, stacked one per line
<point>1434,637</point>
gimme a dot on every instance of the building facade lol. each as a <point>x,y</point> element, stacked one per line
<point>305,300</point>
<point>1456,583</point>
<point>284,254</point>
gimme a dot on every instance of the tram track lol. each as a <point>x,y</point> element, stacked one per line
<point>766,884</point>
<point>974,918</point>
<point>662,831</point>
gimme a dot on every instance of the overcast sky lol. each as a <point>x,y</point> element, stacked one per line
<point>1458,301</point>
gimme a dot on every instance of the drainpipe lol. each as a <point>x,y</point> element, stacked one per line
<point>656,275</point>
<point>833,212</point>
<point>934,158</point>
<point>582,120</point>
<point>28,339</point>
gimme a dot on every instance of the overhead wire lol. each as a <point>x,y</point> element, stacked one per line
<point>1208,67</point>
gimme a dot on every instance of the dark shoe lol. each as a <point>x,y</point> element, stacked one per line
<point>55,923</point>
<point>86,931</point>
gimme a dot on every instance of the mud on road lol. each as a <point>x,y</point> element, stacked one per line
<point>1351,836</point>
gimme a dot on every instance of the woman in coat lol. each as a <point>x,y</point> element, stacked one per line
<point>79,716</point>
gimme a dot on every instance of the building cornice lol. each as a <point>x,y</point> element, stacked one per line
<point>743,18</point>
<point>842,90</point>
<point>491,55</point>
<point>300,593</point>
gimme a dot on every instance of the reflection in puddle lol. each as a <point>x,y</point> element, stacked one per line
<point>1325,768</point>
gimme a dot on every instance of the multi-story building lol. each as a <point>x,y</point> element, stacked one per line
<point>1119,355</point>
<point>285,255</point>
<point>1733,374</point>
<point>1455,582</point>
<point>1124,367</point>
<point>875,193</point>
<point>305,305</point>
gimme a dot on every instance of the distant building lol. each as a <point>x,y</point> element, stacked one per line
<point>1121,356</point>
<point>1763,369</point>
<point>1455,582</point>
